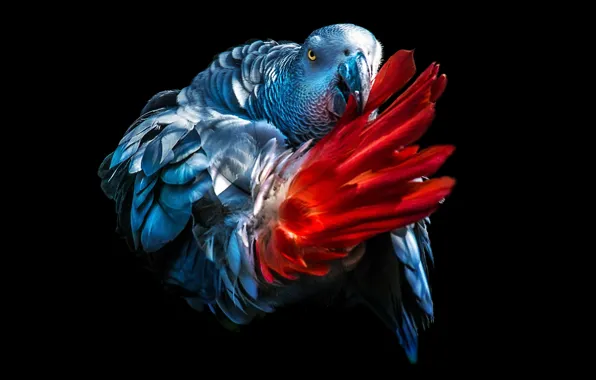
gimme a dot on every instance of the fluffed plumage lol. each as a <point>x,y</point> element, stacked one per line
<point>269,176</point>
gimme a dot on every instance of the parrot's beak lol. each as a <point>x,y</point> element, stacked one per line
<point>355,73</point>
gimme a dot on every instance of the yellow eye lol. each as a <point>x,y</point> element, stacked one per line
<point>311,55</point>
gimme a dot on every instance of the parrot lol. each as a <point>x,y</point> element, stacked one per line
<point>283,171</point>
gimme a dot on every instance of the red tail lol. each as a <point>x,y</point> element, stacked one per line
<point>358,181</point>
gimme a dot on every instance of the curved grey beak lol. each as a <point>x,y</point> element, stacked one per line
<point>355,73</point>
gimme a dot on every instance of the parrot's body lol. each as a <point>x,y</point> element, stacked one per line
<point>200,179</point>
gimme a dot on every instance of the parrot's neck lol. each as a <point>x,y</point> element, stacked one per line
<point>302,114</point>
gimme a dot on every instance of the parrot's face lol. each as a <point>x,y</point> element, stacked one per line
<point>334,62</point>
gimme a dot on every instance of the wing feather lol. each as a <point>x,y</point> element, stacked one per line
<point>181,173</point>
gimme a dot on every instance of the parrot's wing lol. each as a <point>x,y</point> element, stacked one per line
<point>412,248</point>
<point>392,280</point>
<point>175,175</point>
<point>182,171</point>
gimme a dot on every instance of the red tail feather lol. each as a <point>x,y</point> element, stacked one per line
<point>394,74</point>
<point>360,179</point>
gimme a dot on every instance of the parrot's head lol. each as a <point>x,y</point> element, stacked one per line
<point>333,63</point>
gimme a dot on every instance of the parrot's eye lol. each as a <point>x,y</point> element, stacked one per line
<point>311,55</point>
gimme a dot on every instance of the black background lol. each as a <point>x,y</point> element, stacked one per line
<point>132,57</point>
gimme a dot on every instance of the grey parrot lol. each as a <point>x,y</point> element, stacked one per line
<point>199,177</point>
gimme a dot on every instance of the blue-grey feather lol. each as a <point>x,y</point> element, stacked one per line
<point>214,87</point>
<point>162,226</point>
<point>407,247</point>
<point>227,61</point>
<point>104,167</point>
<point>219,83</point>
<point>247,68</point>
<point>248,282</point>
<point>139,131</point>
<point>426,255</point>
<point>185,171</point>
<point>181,197</point>
<point>140,196</point>
<point>115,184</point>
<point>135,161</point>
<point>237,52</point>
<point>159,152</point>
<point>247,276</point>
<point>139,212</point>
<point>423,239</point>
<point>187,146</point>
<point>105,173</point>
<point>230,287</point>
<point>142,182</point>
<point>408,336</point>
<point>160,118</point>
<point>256,71</point>
<point>234,255</point>
<point>239,91</point>
<point>191,270</point>
<point>161,99</point>
<point>256,45</point>
<point>124,152</point>
<point>234,197</point>
<point>186,270</point>
<point>232,311</point>
<point>228,93</point>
